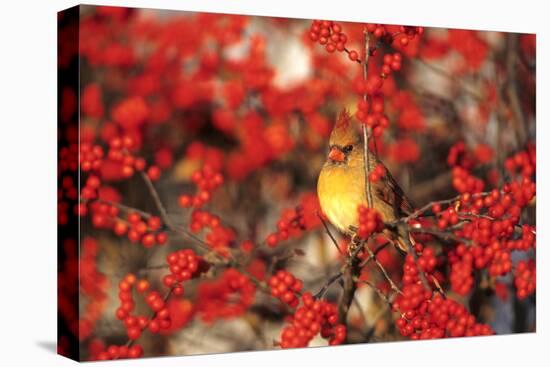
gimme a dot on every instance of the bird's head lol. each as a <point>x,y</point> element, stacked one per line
<point>345,141</point>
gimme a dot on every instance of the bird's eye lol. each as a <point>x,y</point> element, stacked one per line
<point>348,148</point>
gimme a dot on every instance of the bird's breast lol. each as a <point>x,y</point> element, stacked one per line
<point>341,190</point>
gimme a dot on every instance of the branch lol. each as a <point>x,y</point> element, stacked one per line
<point>349,288</point>
<point>339,275</point>
<point>156,198</point>
<point>383,270</point>
<point>417,213</point>
<point>166,219</point>
<point>463,84</point>
<point>329,233</point>
<point>353,269</point>
<point>366,130</point>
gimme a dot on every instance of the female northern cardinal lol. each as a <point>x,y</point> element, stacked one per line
<point>341,185</point>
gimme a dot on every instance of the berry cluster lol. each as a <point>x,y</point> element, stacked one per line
<point>94,285</point>
<point>207,180</point>
<point>68,159</point>
<point>121,163</point>
<point>392,62</point>
<point>88,192</point>
<point>126,163</point>
<point>403,35</point>
<point>370,222</point>
<point>313,317</point>
<point>462,162</point>
<point>290,224</point>
<point>523,162</point>
<point>184,265</point>
<point>66,195</point>
<point>525,242</point>
<point>116,352</point>
<point>489,222</point>
<point>227,297</point>
<point>372,114</point>
<point>377,173</point>
<point>91,157</point>
<point>138,229</point>
<point>445,217</point>
<point>459,156</point>
<point>425,315</point>
<point>285,287</point>
<point>135,324</point>
<point>330,35</point>
<point>461,275</point>
<point>463,181</point>
<point>525,278</point>
<point>219,237</point>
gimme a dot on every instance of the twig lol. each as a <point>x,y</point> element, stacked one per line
<point>429,205</point>
<point>327,285</point>
<point>166,220</point>
<point>376,251</point>
<point>126,208</point>
<point>158,203</point>
<point>366,135</point>
<point>441,234</point>
<point>378,291</point>
<point>460,82</point>
<point>372,256</point>
<point>330,234</point>
<point>438,287</point>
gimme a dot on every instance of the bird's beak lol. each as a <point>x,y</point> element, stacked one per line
<point>336,155</point>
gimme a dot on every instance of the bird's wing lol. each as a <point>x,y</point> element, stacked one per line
<point>390,192</point>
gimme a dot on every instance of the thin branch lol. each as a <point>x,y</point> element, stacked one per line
<point>327,285</point>
<point>376,251</point>
<point>417,213</point>
<point>372,256</point>
<point>464,85</point>
<point>366,130</point>
<point>158,203</point>
<point>126,208</point>
<point>330,234</point>
<point>444,235</point>
<point>378,291</point>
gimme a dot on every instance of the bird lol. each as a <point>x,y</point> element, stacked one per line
<point>341,184</point>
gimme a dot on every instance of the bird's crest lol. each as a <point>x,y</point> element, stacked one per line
<point>343,132</point>
<point>343,120</point>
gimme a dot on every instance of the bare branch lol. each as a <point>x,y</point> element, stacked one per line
<point>330,234</point>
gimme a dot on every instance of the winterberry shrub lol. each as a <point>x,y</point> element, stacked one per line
<point>192,177</point>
